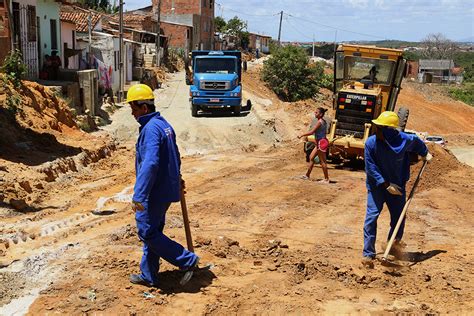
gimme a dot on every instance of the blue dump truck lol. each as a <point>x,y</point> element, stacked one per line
<point>215,81</point>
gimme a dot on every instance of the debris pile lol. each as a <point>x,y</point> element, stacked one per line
<point>439,169</point>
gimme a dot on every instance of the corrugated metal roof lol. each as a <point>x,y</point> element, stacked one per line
<point>436,64</point>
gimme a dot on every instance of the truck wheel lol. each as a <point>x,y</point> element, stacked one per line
<point>194,110</point>
<point>403,114</point>
<point>249,105</point>
<point>237,110</point>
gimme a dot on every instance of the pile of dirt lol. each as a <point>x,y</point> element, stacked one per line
<point>440,168</point>
<point>154,77</point>
<point>40,142</point>
<point>247,56</point>
<point>36,107</point>
<point>31,118</point>
<point>433,112</point>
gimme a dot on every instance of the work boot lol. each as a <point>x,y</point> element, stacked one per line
<point>189,271</point>
<point>137,279</point>
<point>368,262</point>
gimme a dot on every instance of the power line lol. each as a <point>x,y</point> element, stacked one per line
<point>295,29</point>
<point>335,28</point>
<point>255,15</point>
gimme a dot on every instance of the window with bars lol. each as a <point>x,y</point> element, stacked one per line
<point>31,23</point>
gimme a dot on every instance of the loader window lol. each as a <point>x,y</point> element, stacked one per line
<point>359,68</point>
<point>216,65</point>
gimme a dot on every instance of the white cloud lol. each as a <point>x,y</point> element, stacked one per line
<point>358,3</point>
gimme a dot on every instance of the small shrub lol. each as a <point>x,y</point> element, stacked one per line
<point>465,93</point>
<point>290,75</point>
<point>13,101</point>
<point>327,81</point>
<point>14,68</point>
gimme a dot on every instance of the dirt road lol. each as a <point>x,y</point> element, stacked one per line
<point>273,243</point>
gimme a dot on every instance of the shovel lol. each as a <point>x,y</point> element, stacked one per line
<point>385,260</point>
<point>189,239</point>
<point>187,229</point>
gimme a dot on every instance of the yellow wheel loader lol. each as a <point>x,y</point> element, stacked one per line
<point>367,81</point>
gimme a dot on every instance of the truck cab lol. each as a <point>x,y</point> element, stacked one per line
<point>216,81</point>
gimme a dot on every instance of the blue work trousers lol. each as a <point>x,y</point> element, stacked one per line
<point>150,225</point>
<point>376,198</point>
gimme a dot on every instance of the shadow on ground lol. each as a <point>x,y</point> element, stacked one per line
<point>420,256</point>
<point>169,281</point>
<point>222,113</point>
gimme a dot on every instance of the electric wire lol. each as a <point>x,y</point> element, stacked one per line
<point>335,28</point>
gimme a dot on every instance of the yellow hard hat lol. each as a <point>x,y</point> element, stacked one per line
<point>139,92</point>
<point>387,118</point>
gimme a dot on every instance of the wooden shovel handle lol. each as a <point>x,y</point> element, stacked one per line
<point>187,228</point>
<point>405,208</point>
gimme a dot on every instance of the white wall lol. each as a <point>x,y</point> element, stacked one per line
<point>67,30</point>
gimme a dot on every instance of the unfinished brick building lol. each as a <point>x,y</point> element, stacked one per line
<point>198,14</point>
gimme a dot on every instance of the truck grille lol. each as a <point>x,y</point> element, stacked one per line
<point>215,85</point>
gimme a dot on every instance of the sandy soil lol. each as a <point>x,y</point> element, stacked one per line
<point>269,242</point>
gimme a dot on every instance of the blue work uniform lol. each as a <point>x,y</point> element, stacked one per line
<point>158,184</point>
<point>387,161</point>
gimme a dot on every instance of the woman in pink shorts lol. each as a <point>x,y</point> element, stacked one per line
<point>322,144</point>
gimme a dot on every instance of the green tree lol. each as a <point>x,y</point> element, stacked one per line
<point>235,27</point>
<point>273,45</point>
<point>99,5</point>
<point>290,75</point>
<point>245,39</point>
<point>220,24</point>
<point>238,28</point>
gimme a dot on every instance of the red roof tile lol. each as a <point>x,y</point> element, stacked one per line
<point>80,17</point>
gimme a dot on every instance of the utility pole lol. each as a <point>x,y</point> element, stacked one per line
<point>120,51</point>
<point>279,31</point>
<point>313,45</point>
<point>158,43</point>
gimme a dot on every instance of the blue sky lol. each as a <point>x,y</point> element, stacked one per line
<point>353,19</point>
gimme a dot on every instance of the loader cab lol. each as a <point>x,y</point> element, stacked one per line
<point>367,82</point>
<point>362,69</point>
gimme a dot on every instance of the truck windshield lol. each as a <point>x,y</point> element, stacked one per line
<point>215,65</point>
<point>376,70</point>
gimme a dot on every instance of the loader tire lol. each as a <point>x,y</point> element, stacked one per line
<point>403,114</point>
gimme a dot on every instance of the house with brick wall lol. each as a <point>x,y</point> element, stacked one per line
<point>198,14</point>
<point>262,42</point>
<point>5,35</point>
<point>142,22</point>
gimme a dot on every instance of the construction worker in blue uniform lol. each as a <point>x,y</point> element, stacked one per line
<point>387,165</point>
<point>158,184</point>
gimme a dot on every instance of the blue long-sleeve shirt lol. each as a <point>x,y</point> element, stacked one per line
<point>389,160</point>
<point>157,162</point>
